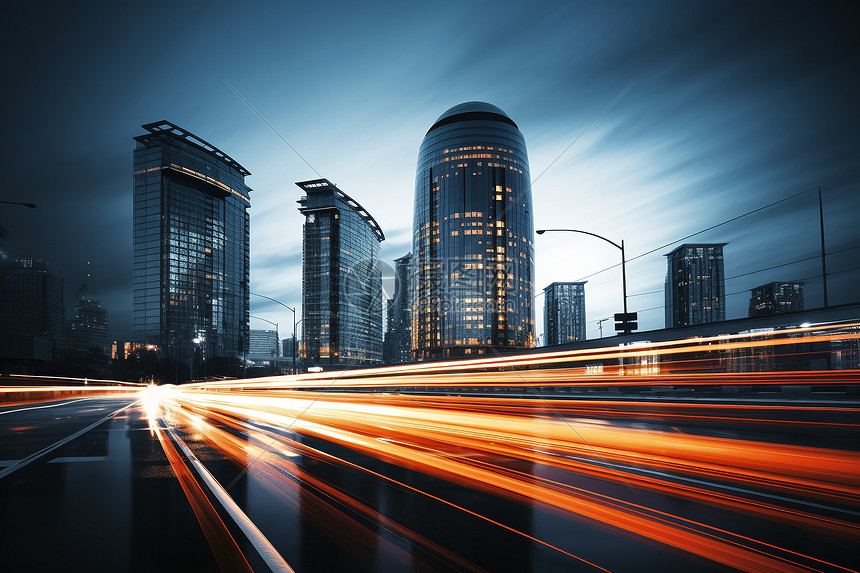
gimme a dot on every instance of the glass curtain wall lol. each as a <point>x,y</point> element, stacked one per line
<point>473,234</point>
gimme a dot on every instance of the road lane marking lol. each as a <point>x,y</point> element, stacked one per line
<point>226,551</point>
<point>48,406</point>
<point>55,445</point>
<point>266,550</point>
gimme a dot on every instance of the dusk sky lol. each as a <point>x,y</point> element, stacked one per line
<point>728,107</point>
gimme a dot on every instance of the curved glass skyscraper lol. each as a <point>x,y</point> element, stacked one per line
<point>473,235</point>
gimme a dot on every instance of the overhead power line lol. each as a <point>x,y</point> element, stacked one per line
<point>669,244</point>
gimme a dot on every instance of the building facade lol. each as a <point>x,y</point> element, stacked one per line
<point>776,298</point>
<point>289,347</point>
<point>191,246</point>
<point>695,285</point>
<point>264,343</point>
<point>473,236</point>
<point>341,279</point>
<point>398,332</point>
<point>564,313</point>
<point>87,330</point>
<point>32,298</point>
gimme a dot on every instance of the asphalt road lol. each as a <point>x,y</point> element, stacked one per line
<point>200,481</point>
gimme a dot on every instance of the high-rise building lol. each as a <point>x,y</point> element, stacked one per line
<point>32,298</point>
<point>473,235</point>
<point>191,246</point>
<point>289,347</point>
<point>341,279</point>
<point>398,332</point>
<point>564,313</point>
<point>695,285</point>
<point>264,343</point>
<point>776,298</point>
<point>87,330</point>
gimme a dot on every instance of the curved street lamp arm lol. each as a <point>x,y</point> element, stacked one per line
<point>273,300</point>
<point>613,243</point>
<point>291,309</point>
<point>275,324</point>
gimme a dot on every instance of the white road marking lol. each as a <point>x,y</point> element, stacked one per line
<point>48,406</point>
<point>55,445</point>
<point>266,550</point>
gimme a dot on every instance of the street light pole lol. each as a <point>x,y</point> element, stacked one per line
<point>295,347</point>
<point>614,244</point>
<point>624,276</point>
<point>291,309</point>
<point>600,324</point>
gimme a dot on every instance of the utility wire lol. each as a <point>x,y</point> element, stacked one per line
<point>575,139</point>
<point>272,128</point>
<point>746,291</point>
<point>669,244</point>
<point>766,269</point>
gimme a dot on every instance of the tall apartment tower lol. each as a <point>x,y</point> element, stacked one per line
<point>32,298</point>
<point>341,279</point>
<point>191,246</point>
<point>87,330</point>
<point>695,285</point>
<point>398,332</point>
<point>776,298</point>
<point>564,313</point>
<point>472,236</point>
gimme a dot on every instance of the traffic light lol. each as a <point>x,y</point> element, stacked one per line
<point>626,322</point>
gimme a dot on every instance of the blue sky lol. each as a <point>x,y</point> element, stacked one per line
<point>731,106</point>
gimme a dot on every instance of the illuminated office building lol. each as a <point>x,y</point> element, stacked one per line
<point>341,279</point>
<point>473,236</point>
<point>191,246</point>
<point>776,298</point>
<point>695,285</point>
<point>564,313</point>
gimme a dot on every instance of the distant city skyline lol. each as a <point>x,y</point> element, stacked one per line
<point>729,107</point>
<point>777,297</point>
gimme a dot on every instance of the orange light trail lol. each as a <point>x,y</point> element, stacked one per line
<point>426,435</point>
<point>472,440</point>
<point>686,350</point>
<point>762,450</point>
